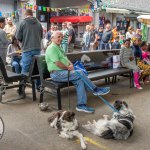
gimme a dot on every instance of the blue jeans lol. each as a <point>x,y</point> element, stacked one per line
<point>16,64</point>
<point>65,47</point>
<point>27,61</point>
<point>81,87</point>
<point>104,46</point>
<point>85,48</point>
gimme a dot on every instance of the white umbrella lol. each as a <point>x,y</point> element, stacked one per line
<point>144,19</point>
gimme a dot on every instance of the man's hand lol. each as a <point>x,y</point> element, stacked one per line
<point>70,67</point>
<point>131,58</point>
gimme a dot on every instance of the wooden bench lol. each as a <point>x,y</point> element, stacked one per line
<point>102,73</point>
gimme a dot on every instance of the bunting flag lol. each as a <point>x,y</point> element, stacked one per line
<point>24,6</point>
<point>96,6</point>
<point>44,9</point>
<point>39,8</point>
<point>35,7</point>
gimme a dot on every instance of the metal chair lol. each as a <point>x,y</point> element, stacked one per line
<point>6,82</point>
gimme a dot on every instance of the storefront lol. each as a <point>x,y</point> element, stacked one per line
<point>79,23</point>
<point>121,18</point>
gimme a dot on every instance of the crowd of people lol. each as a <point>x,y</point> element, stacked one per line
<point>69,36</point>
<point>21,44</point>
<point>107,37</point>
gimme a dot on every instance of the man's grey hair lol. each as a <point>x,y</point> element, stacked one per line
<point>54,33</point>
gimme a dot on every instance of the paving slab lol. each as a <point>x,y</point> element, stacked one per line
<point>26,127</point>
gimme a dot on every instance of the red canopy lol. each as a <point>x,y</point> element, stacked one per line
<point>73,19</point>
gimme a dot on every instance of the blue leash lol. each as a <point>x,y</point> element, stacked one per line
<point>105,101</point>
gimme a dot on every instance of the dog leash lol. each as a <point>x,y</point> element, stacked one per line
<point>68,91</point>
<point>105,101</point>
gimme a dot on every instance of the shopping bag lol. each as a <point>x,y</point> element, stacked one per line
<point>116,61</point>
<point>78,65</point>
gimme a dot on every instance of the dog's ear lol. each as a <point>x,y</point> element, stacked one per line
<point>118,104</point>
<point>69,116</point>
<point>57,114</point>
<point>125,104</point>
<point>73,114</point>
<point>50,119</point>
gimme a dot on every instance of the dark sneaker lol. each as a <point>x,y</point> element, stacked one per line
<point>101,91</point>
<point>84,108</point>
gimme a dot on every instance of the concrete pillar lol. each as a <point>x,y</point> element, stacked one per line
<point>114,19</point>
<point>96,20</point>
<point>135,24</point>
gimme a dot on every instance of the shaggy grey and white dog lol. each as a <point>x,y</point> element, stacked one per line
<point>120,127</point>
<point>66,125</point>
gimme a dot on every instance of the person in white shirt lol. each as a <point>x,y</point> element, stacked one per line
<point>130,33</point>
<point>10,29</point>
<point>86,39</point>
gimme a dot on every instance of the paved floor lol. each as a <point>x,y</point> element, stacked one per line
<point>26,127</point>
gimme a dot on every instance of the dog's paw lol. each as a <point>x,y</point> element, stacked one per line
<point>83,146</point>
<point>85,141</point>
<point>89,122</point>
<point>106,117</point>
<point>52,125</point>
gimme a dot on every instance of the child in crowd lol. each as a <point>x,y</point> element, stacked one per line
<point>128,60</point>
<point>116,44</point>
<point>122,38</point>
<point>145,54</point>
<point>14,53</point>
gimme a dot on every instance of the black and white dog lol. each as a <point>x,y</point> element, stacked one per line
<point>66,125</point>
<point>120,127</point>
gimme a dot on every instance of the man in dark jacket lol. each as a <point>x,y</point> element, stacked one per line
<point>30,34</point>
<point>107,36</point>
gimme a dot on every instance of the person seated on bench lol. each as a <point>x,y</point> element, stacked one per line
<point>136,39</point>
<point>14,52</point>
<point>128,60</point>
<point>59,65</point>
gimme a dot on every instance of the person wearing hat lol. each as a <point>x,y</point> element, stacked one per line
<point>3,40</point>
<point>136,39</point>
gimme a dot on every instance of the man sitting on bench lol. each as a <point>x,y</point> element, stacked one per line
<point>59,65</point>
